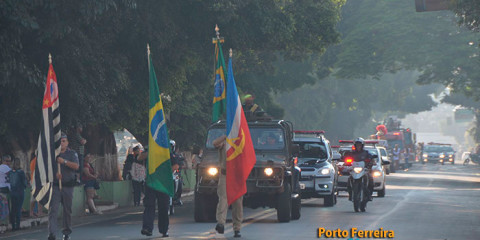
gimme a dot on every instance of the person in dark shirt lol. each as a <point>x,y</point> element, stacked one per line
<point>127,165</point>
<point>68,161</point>
<point>162,200</point>
<point>359,154</point>
<point>18,183</point>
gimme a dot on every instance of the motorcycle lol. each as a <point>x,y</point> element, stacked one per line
<point>475,158</point>
<point>358,182</point>
<point>176,183</point>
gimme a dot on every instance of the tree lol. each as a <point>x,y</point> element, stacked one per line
<point>99,55</point>
<point>341,107</point>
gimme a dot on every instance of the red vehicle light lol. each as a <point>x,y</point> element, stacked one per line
<point>396,133</point>
<point>348,161</point>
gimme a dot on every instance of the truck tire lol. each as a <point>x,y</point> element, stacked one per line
<point>205,207</point>
<point>329,200</point>
<point>284,204</point>
<point>296,208</point>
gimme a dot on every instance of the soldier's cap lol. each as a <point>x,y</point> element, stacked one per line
<point>248,97</point>
<point>63,135</point>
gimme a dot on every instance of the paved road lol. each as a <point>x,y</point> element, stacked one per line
<point>427,202</point>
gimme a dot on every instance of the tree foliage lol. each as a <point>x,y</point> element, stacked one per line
<point>390,42</point>
<point>342,106</point>
<point>99,55</point>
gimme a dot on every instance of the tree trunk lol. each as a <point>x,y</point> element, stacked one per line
<point>102,146</point>
<point>21,147</point>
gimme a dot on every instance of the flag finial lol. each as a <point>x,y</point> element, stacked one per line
<point>216,39</point>
<point>50,58</point>
<point>148,49</point>
<point>231,52</point>
<point>217,31</point>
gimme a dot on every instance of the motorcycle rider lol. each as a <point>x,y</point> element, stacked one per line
<point>180,160</point>
<point>360,154</point>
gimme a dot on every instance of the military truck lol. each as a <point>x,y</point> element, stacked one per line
<point>273,182</point>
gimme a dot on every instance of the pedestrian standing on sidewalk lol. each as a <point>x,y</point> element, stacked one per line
<point>222,206</point>
<point>89,177</point>
<point>18,183</point>
<point>68,160</point>
<point>5,168</point>
<point>138,177</point>
<point>77,144</point>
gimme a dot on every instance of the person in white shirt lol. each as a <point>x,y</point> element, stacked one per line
<point>5,167</point>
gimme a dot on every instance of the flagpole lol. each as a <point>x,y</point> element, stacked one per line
<point>148,55</point>
<point>59,169</point>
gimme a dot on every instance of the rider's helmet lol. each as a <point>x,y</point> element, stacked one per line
<point>359,140</point>
<point>172,145</point>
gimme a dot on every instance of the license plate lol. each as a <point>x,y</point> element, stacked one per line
<point>302,185</point>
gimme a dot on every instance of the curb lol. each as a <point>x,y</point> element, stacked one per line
<point>32,222</point>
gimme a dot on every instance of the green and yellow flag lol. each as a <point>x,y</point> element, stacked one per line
<point>159,166</point>
<point>219,99</point>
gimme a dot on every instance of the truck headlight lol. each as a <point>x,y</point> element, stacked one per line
<point>325,171</point>
<point>358,169</point>
<point>377,174</point>
<point>268,171</point>
<point>213,171</point>
<point>425,155</point>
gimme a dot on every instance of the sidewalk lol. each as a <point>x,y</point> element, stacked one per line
<point>111,208</point>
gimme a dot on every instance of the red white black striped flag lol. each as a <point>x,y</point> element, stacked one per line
<point>48,142</point>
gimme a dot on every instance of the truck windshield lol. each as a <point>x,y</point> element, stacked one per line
<point>262,138</point>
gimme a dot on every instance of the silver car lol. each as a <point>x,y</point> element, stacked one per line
<point>318,178</point>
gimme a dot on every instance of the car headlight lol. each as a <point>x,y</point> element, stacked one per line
<point>425,155</point>
<point>442,155</point>
<point>268,171</point>
<point>358,169</point>
<point>325,171</point>
<point>450,155</point>
<point>213,171</point>
<point>377,174</point>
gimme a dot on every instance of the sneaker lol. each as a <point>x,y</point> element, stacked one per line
<point>220,228</point>
<point>146,232</point>
<point>98,212</point>
<point>237,234</point>
<point>164,235</point>
<point>66,237</point>
<point>51,237</point>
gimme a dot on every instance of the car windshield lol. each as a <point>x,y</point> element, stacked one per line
<point>262,138</point>
<point>312,150</point>
<point>436,148</point>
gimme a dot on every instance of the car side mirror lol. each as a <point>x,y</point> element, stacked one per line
<point>374,156</point>
<point>295,149</point>
<point>385,162</point>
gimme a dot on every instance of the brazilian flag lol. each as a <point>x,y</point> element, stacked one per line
<point>159,165</point>
<point>219,99</point>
